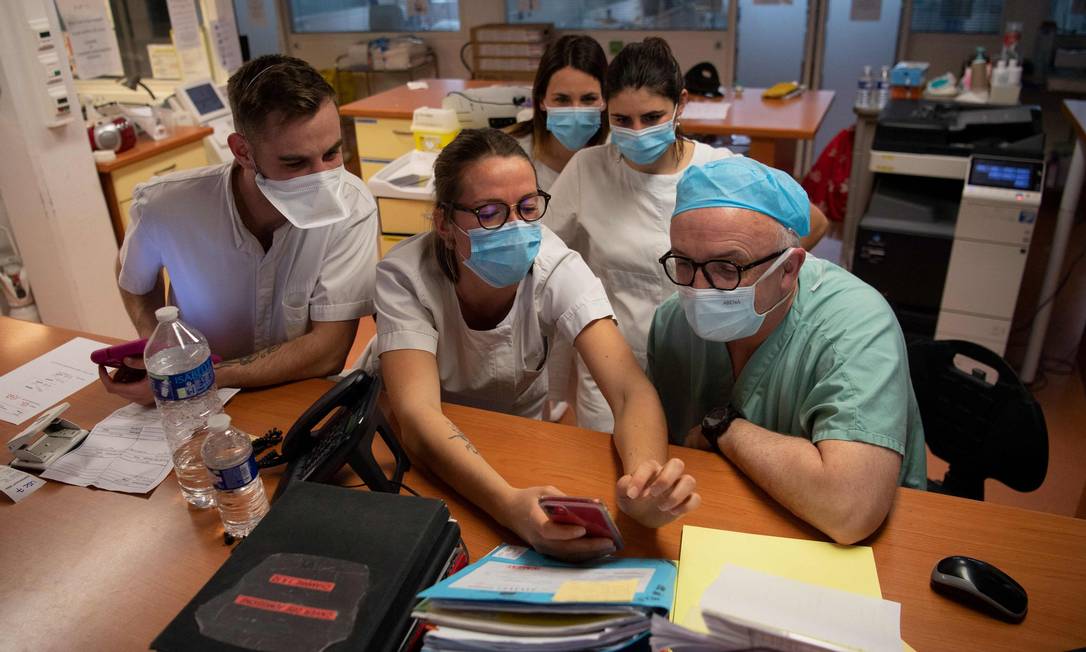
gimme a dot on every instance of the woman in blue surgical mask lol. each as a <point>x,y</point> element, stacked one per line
<point>467,314</point>
<point>613,203</point>
<point>569,110</point>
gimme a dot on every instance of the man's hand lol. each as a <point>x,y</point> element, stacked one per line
<point>655,495</point>
<point>523,515</point>
<point>136,392</point>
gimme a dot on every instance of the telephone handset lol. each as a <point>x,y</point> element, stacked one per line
<point>338,429</point>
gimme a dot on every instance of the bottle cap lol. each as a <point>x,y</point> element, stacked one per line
<point>167,313</point>
<point>218,422</point>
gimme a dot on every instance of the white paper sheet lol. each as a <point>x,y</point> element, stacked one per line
<point>94,42</point>
<point>185,29</point>
<point>746,598</point>
<point>705,111</point>
<point>126,451</point>
<point>16,484</point>
<point>225,33</point>
<point>47,380</point>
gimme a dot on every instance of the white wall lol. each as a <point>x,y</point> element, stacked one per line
<point>51,192</point>
<point>321,50</point>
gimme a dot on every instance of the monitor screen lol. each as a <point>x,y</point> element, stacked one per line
<point>205,99</point>
<point>1002,173</point>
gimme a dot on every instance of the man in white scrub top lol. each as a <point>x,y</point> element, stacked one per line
<point>271,257</point>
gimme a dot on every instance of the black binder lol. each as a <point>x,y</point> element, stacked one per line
<point>404,541</point>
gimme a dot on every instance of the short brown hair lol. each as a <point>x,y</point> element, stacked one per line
<point>469,146</point>
<point>275,84</point>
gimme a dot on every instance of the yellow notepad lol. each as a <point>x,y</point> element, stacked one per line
<point>705,551</point>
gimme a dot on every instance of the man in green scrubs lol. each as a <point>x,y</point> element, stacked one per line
<point>790,367</point>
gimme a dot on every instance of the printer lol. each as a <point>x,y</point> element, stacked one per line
<point>947,231</point>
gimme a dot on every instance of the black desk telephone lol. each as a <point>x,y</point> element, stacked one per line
<point>338,429</point>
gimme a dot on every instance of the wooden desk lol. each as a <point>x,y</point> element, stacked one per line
<point>765,121</point>
<point>184,150</point>
<point>769,123</point>
<point>88,569</point>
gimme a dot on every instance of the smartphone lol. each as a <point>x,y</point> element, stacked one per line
<point>113,356</point>
<point>589,513</point>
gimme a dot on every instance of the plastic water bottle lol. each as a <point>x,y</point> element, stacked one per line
<point>864,89</point>
<point>239,491</point>
<point>882,92</point>
<point>178,361</point>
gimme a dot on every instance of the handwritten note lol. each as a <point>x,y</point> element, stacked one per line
<point>17,484</point>
<point>47,380</point>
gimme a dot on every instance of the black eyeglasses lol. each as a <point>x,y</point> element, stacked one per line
<point>493,216</point>
<point>721,274</point>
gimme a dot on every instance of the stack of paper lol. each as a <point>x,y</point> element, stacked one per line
<point>740,591</point>
<point>516,599</point>
<point>746,609</point>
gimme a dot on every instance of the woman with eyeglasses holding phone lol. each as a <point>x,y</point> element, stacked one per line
<point>613,203</point>
<point>465,314</point>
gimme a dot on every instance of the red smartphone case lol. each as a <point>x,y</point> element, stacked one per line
<point>113,356</point>
<point>589,513</point>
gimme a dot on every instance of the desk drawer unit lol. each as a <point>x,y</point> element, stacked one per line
<point>403,216</point>
<point>128,177</point>
<point>387,242</point>
<point>381,141</point>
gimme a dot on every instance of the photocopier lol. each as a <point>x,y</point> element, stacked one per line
<point>947,230</point>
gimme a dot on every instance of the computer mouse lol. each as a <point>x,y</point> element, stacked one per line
<point>981,586</point>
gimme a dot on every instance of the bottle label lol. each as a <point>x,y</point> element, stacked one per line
<point>179,387</point>
<point>236,477</point>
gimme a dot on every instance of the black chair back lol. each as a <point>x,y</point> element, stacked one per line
<point>983,427</point>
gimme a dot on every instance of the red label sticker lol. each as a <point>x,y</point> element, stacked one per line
<point>286,608</point>
<point>302,582</point>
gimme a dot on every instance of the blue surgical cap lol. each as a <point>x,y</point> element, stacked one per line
<point>742,182</point>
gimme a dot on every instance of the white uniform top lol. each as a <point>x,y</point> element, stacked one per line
<point>619,220</point>
<point>503,369</point>
<point>241,298</point>
<point>545,176</point>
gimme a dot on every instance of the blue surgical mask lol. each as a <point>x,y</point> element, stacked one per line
<point>573,126</point>
<point>503,256</point>
<point>726,316</point>
<point>647,145</point>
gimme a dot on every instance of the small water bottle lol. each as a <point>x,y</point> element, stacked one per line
<point>178,362</point>
<point>864,90</point>
<point>882,92</point>
<point>239,491</point>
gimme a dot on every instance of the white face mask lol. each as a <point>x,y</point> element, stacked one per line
<point>726,315</point>
<point>308,201</point>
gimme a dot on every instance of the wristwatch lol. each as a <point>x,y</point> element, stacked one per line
<point>716,422</point>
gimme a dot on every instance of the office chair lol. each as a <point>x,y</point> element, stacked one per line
<point>984,427</point>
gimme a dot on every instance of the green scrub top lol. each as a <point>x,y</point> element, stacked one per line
<point>835,368</point>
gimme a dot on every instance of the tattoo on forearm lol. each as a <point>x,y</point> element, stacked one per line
<point>252,357</point>
<point>460,435</point>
